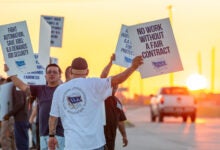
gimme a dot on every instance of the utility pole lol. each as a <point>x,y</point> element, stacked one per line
<point>169,7</point>
<point>199,63</point>
<point>213,70</point>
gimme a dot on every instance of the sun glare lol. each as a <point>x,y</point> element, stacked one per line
<point>196,82</point>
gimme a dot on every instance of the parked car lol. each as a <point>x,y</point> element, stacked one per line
<point>173,101</point>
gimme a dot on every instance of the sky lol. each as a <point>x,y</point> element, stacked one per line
<point>91,30</point>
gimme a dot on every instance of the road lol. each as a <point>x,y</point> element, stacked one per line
<point>173,134</point>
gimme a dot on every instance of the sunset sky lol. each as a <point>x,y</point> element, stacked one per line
<point>91,30</point>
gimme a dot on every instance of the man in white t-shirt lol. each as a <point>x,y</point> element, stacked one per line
<point>79,104</point>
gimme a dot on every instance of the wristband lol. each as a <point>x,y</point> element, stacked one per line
<point>51,135</point>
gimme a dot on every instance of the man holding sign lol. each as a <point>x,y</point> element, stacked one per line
<point>79,103</point>
<point>115,116</point>
<point>44,94</point>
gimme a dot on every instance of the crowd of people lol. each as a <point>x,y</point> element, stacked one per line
<point>81,113</point>
<point>15,123</point>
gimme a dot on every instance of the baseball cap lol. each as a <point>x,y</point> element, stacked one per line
<point>79,66</point>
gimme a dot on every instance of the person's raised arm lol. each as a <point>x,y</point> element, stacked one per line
<point>121,77</point>
<point>107,68</point>
<point>18,83</point>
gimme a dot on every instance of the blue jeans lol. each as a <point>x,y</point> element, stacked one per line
<point>21,135</point>
<point>34,132</point>
<point>44,142</point>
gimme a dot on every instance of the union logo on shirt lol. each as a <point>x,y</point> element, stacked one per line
<point>74,100</point>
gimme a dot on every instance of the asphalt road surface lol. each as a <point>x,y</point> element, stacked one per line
<point>172,134</point>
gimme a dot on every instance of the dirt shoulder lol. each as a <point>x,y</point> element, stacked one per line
<point>202,110</point>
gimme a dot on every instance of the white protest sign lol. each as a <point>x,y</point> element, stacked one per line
<point>156,43</point>
<point>5,98</point>
<point>53,60</point>
<point>17,48</point>
<point>36,77</point>
<point>123,53</point>
<point>56,24</point>
<point>44,43</point>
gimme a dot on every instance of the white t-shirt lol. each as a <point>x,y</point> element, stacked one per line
<point>79,104</point>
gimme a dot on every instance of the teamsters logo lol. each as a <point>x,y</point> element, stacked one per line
<point>74,100</point>
<point>159,65</point>
<point>20,63</point>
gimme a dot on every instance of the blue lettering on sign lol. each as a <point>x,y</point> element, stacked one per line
<point>31,83</point>
<point>159,64</point>
<point>128,60</point>
<point>20,63</point>
<point>74,100</point>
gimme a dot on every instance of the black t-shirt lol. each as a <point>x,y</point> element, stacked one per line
<point>44,94</point>
<point>114,114</point>
<point>19,105</point>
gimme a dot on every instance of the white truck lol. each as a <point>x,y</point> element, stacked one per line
<point>173,101</point>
